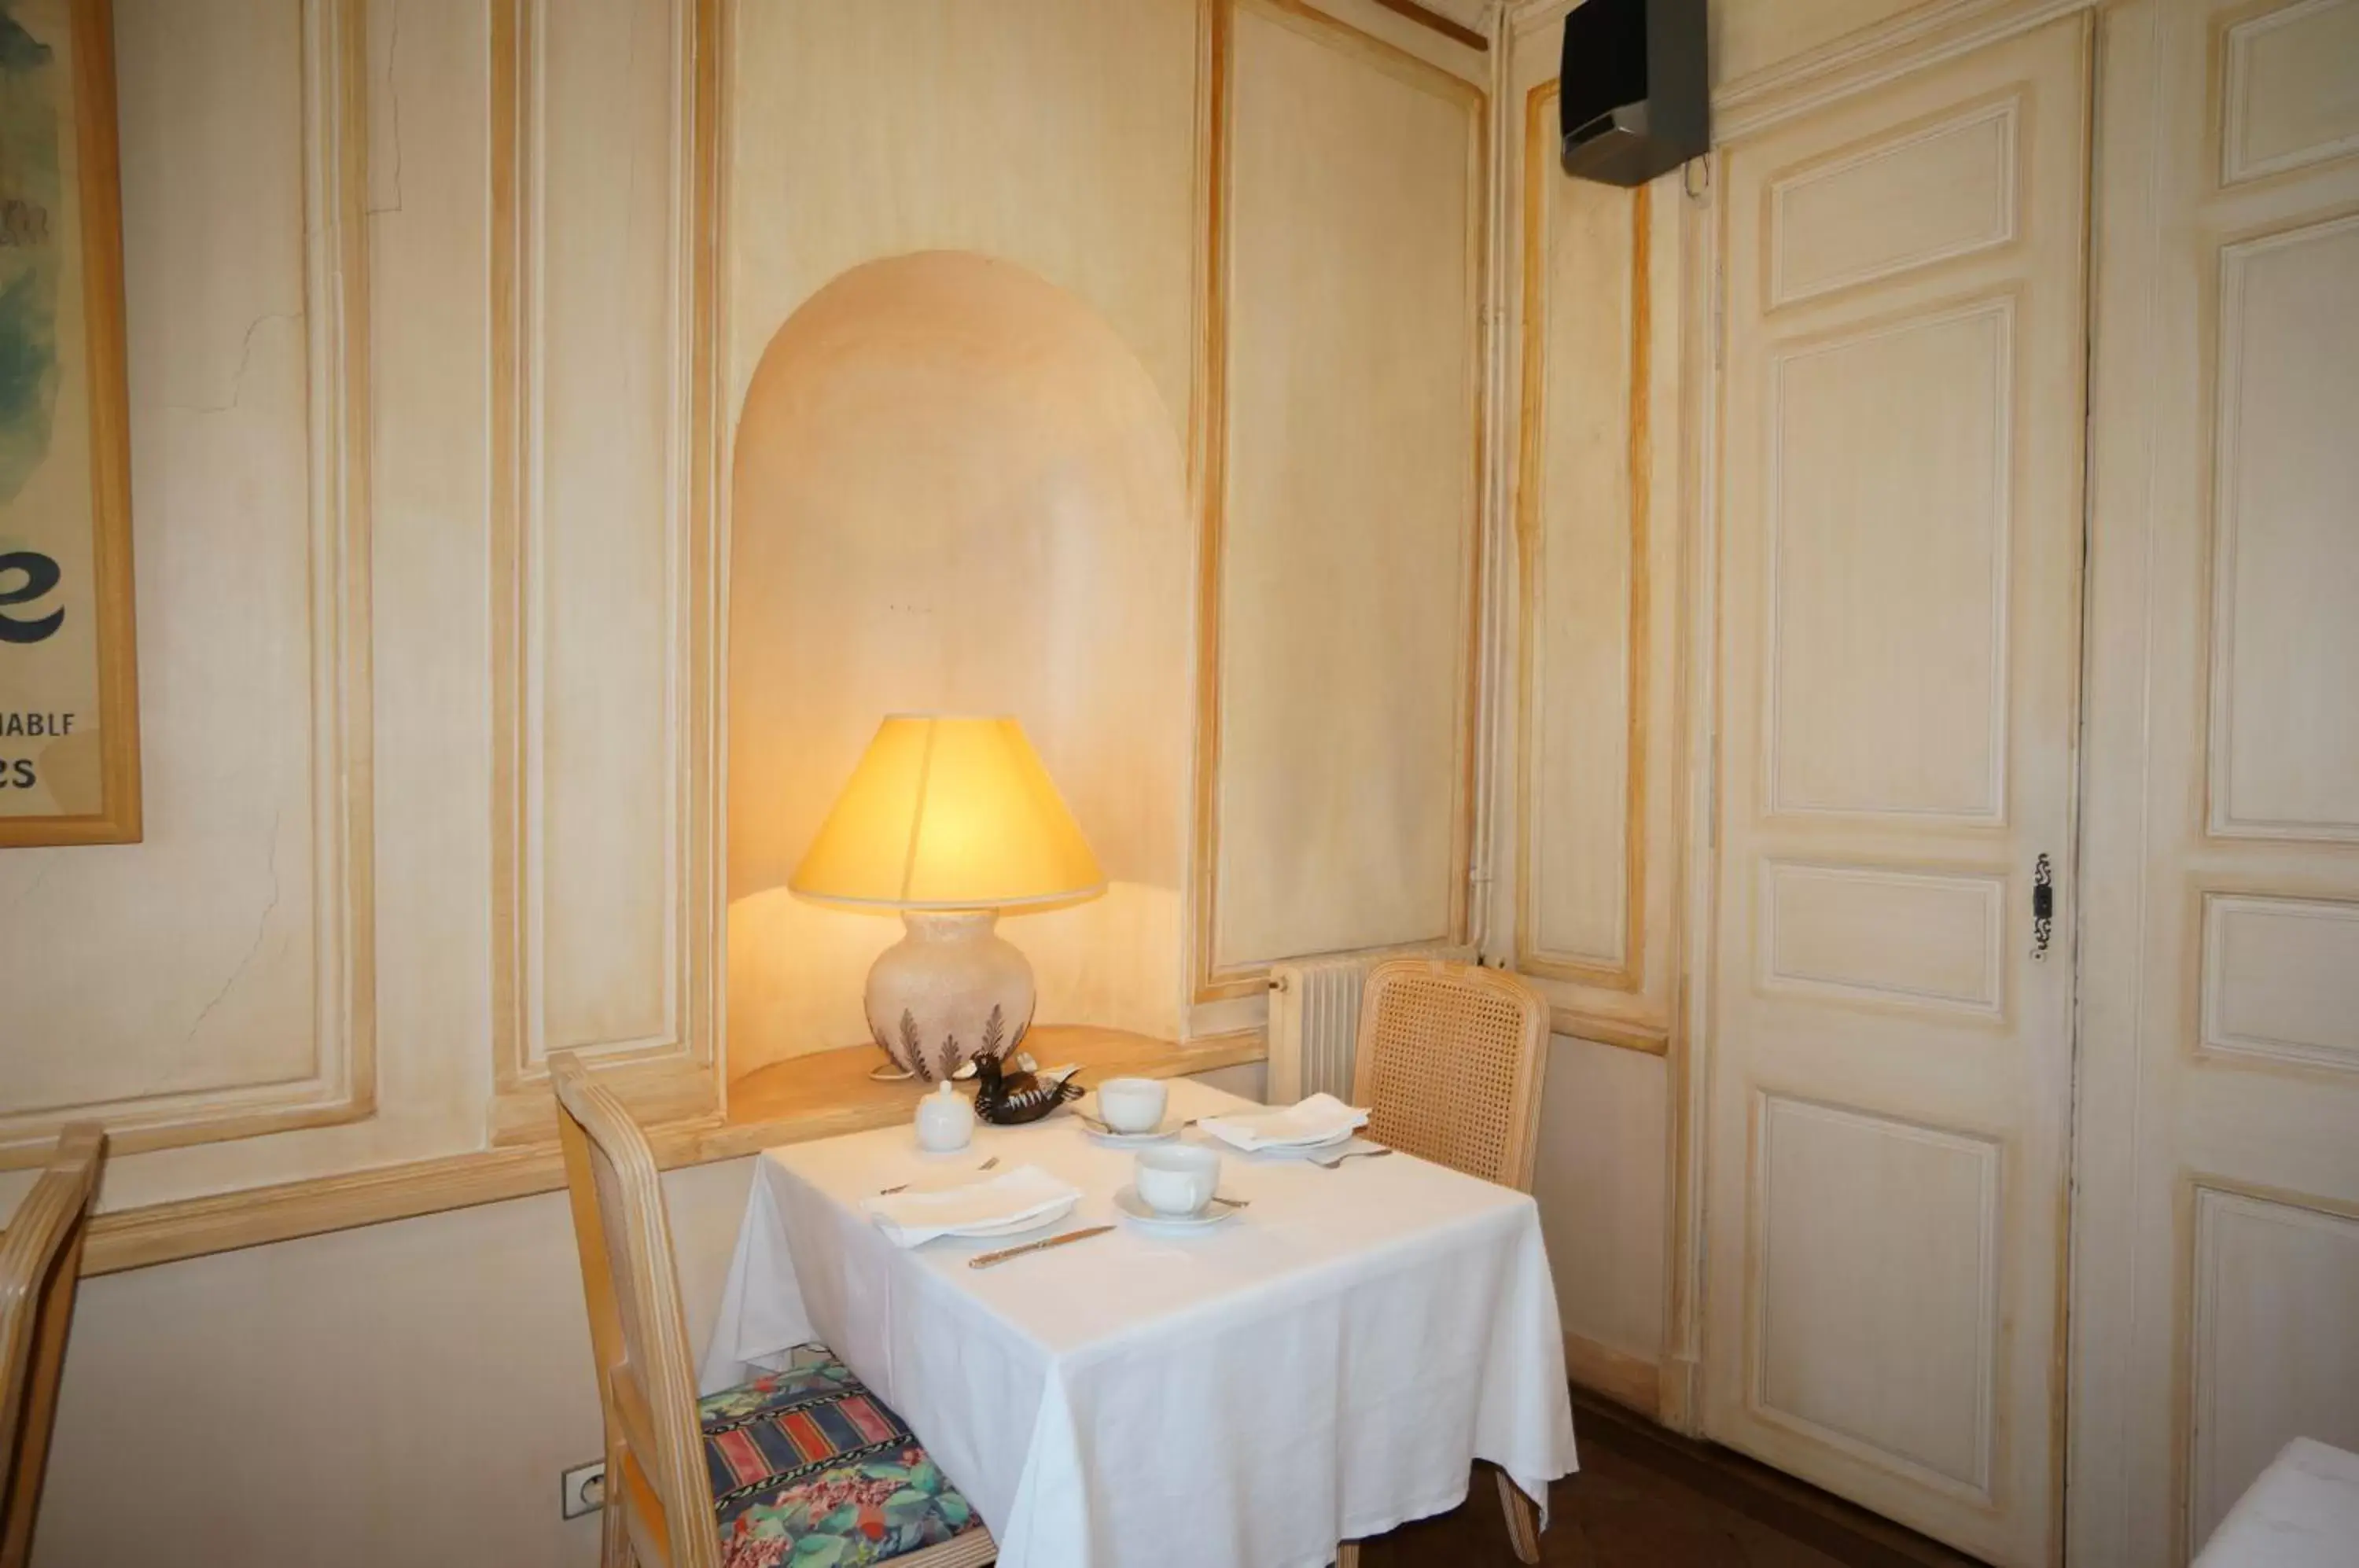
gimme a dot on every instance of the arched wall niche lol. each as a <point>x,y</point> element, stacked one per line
<point>956,489</point>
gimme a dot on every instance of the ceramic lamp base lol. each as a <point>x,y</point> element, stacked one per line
<point>951,988</point>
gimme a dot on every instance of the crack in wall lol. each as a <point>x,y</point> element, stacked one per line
<point>261,930</point>
<point>245,362</point>
<point>25,896</point>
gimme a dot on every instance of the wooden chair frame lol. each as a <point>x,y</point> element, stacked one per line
<point>40,1264</point>
<point>1431,1130</point>
<point>659,1507</point>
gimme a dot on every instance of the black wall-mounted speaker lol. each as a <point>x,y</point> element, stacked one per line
<point>1635,96</point>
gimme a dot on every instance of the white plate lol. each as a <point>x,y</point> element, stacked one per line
<point>1163,1133</point>
<point>1246,1119</point>
<point>1294,1150</point>
<point>1016,1228</point>
<point>1134,1208</point>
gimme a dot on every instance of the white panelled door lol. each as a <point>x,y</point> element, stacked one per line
<point>1901,486</point>
<point>2216,1254</point>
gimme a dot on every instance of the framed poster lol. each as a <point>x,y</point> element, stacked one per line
<point>68,684</point>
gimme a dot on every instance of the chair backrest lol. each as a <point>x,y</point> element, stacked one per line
<point>657,1487</point>
<point>1449,1065</point>
<point>41,1262</point>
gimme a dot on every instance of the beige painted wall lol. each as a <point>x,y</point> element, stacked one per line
<point>405,1393</point>
<point>1600,1178</point>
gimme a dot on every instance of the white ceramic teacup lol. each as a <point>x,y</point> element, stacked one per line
<point>1131,1105</point>
<point>1177,1179</point>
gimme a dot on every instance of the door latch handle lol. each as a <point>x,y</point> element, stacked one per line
<point>2043,907</point>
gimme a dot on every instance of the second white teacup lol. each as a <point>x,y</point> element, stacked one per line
<point>1131,1105</point>
<point>1177,1179</point>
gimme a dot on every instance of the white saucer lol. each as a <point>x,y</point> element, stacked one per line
<point>1134,1208</point>
<point>1163,1134</point>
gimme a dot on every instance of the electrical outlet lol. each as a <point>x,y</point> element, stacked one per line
<point>582,1490</point>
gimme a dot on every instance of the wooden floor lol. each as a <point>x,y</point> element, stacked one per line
<point>1645,1498</point>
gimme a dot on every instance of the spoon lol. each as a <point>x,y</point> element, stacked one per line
<point>1351,1154</point>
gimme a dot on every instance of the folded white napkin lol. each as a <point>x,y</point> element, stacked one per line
<point>1026,1192</point>
<point>1314,1120</point>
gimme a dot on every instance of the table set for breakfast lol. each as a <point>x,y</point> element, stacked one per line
<point>1239,1336</point>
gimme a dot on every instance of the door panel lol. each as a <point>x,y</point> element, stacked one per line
<point>2285,746</point>
<point>2216,1221</point>
<point>1875,1318</point>
<point>1901,502</point>
<point>1886,547</point>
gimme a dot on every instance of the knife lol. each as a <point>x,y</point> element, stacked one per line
<point>985,1260</point>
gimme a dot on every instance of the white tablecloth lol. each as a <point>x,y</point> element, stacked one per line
<point>2301,1512</point>
<point>1320,1368</point>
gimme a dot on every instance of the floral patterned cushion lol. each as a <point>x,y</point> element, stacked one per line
<point>810,1470</point>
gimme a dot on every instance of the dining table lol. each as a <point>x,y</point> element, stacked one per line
<point>1322,1366</point>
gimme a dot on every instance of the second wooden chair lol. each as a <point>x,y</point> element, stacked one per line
<point>1449,1064</point>
<point>41,1263</point>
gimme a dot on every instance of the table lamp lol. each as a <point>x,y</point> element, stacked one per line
<point>949,820</point>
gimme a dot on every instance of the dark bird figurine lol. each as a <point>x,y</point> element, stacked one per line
<point>1010,1099</point>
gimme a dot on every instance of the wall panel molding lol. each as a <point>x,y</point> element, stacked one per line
<point>2276,64</point>
<point>605,561</point>
<point>1617,962</point>
<point>1976,148</point>
<point>2284,746</point>
<point>1880,936</point>
<point>2281,979</point>
<point>1248,908</point>
<point>340,1085</point>
<point>1600,489</point>
<point>1208,476</point>
<point>1448,27</point>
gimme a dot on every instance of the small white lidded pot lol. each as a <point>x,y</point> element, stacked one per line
<point>1177,1179</point>
<point>945,1121</point>
<point>1131,1105</point>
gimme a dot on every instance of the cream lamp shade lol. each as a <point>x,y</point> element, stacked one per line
<point>949,820</point>
<point>949,813</point>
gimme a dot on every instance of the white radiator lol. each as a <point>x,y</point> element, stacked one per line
<point>1314,1019</point>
